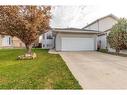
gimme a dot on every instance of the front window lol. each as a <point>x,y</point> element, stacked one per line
<point>9,40</point>
<point>49,36</point>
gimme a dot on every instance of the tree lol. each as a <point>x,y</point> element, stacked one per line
<point>117,38</point>
<point>25,22</point>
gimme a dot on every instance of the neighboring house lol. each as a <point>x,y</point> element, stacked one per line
<point>7,41</point>
<point>103,25</point>
<point>44,41</point>
<point>48,40</point>
<point>10,42</point>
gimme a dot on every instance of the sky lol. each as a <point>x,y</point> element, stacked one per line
<point>65,16</point>
<point>76,13</point>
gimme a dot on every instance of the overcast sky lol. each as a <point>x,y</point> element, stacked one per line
<point>77,15</point>
<point>80,15</point>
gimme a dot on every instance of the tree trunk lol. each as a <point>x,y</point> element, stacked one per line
<point>117,51</point>
<point>29,49</point>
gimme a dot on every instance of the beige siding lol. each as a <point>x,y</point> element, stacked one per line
<point>103,40</point>
<point>93,27</point>
<point>103,24</point>
<point>17,43</point>
<point>58,41</point>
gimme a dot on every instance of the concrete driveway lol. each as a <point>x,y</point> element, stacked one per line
<point>95,70</point>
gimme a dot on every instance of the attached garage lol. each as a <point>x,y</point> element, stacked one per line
<point>75,40</point>
<point>77,44</point>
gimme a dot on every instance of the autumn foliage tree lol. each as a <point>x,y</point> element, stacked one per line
<point>25,22</point>
<point>117,38</point>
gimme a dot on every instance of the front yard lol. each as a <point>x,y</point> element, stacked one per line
<point>48,71</point>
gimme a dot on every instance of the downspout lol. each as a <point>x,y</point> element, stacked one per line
<point>98,25</point>
<point>54,39</point>
<point>54,42</point>
<point>98,42</point>
<point>11,41</point>
<point>106,41</point>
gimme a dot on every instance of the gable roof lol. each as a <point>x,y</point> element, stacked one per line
<point>67,29</point>
<point>104,33</point>
<point>74,30</point>
<point>110,15</point>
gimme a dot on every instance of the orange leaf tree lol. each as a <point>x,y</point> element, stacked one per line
<point>25,22</point>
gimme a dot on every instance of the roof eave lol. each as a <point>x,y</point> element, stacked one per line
<point>70,31</point>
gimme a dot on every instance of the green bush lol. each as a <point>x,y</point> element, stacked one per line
<point>103,50</point>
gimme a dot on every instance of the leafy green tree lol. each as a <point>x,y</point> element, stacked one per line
<point>117,38</point>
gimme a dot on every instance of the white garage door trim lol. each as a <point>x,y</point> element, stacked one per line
<point>77,44</point>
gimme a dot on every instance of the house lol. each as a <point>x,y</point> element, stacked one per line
<point>47,40</point>
<point>85,39</point>
<point>7,41</point>
<point>103,25</point>
<point>71,39</point>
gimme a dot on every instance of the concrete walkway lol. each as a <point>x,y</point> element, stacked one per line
<point>96,70</point>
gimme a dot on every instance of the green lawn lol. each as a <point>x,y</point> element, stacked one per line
<point>48,71</point>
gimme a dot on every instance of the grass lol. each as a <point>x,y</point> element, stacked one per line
<point>48,71</point>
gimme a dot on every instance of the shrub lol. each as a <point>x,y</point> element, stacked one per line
<point>103,50</point>
<point>118,35</point>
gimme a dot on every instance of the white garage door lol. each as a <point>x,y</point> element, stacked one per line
<point>77,44</point>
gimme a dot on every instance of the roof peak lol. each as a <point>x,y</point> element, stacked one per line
<point>109,15</point>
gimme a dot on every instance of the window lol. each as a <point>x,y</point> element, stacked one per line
<point>9,40</point>
<point>49,37</point>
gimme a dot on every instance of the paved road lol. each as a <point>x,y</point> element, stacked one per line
<point>95,70</point>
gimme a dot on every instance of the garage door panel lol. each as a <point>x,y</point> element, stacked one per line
<point>77,44</point>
